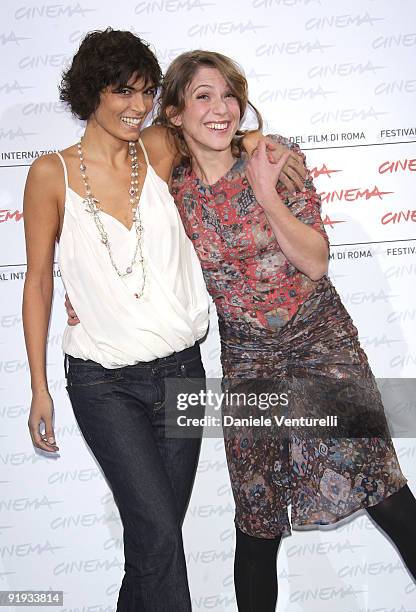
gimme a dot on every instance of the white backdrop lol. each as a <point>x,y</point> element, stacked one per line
<point>339,77</point>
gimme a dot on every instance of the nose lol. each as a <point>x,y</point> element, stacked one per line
<point>219,106</point>
<point>139,105</point>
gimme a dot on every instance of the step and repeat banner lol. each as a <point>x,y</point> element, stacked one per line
<point>339,78</point>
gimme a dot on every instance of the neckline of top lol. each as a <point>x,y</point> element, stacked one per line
<point>238,165</point>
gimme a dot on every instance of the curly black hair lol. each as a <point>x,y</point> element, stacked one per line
<point>106,58</point>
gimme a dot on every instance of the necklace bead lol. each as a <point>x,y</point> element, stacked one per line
<point>92,206</point>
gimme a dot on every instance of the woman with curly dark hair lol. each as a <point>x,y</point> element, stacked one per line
<point>136,283</point>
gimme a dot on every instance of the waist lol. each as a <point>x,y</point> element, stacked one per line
<point>187,354</point>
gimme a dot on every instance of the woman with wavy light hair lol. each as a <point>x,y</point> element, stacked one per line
<point>264,255</point>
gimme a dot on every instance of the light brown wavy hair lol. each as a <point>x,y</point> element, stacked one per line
<point>177,79</point>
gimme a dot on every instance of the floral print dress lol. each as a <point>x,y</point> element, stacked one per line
<point>278,327</point>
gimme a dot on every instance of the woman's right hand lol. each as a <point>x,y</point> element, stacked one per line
<point>72,315</point>
<point>41,414</point>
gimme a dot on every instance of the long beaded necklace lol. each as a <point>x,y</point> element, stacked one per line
<point>92,205</point>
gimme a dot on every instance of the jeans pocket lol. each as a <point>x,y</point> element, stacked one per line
<point>89,375</point>
<point>192,371</point>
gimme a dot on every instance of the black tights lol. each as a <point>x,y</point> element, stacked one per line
<point>255,575</point>
<point>396,515</point>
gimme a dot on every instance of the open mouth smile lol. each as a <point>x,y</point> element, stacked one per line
<point>220,126</point>
<point>131,121</point>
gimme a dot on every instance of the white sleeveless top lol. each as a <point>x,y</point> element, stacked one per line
<point>116,328</point>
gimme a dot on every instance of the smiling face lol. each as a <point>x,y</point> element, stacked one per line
<point>122,110</point>
<point>211,115</point>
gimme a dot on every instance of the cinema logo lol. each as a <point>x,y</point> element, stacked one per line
<point>401,316</point>
<point>13,412</point>
<point>406,452</point>
<point>11,37</point>
<point>395,217</point>
<point>402,361</point>
<point>82,475</point>
<point>358,298</point>
<point>405,165</point>
<point>376,341</point>
<point>370,569</point>
<point>325,594</point>
<point>18,459</point>
<point>67,430</point>
<point>171,6</point>
<point>280,3</point>
<point>343,70</point>
<point>23,504</point>
<point>52,11</point>
<point>322,548</point>
<point>15,133</point>
<point>404,86</point>
<point>295,94</point>
<point>28,549</point>
<point>84,520</point>
<point>13,366</point>
<point>332,223</point>
<point>322,171</point>
<point>168,54</point>
<point>352,195</point>
<point>7,215</point>
<point>252,74</point>
<point>209,465</point>
<point>345,115</point>
<point>224,28</point>
<point>87,566</point>
<point>205,557</point>
<point>341,21</point>
<point>400,271</point>
<point>43,107</point>
<point>293,47</point>
<point>8,88</point>
<point>214,602</point>
<point>56,60</point>
<point>399,40</point>
<point>210,510</point>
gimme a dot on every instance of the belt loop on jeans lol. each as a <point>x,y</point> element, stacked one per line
<point>66,366</point>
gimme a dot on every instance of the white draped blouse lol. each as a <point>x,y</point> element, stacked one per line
<point>116,328</point>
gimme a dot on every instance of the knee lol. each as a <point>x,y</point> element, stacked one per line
<point>156,549</point>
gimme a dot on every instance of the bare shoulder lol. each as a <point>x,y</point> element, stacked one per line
<point>161,149</point>
<point>46,170</point>
<point>45,183</point>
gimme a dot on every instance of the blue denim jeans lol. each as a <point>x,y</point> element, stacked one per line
<point>121,415</point>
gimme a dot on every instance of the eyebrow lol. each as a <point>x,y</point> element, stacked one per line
<point>203,85</point>
<point>132,88</point>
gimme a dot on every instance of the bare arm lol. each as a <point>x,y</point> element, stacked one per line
<point>41,220</point>
<point>303,246</point>
<point>161,149</point>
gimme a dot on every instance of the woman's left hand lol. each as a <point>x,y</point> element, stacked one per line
<point>293,174</point>
<point>262,174</point>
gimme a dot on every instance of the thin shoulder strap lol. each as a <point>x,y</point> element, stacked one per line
<point>144,151</point>
<point>65,170</point>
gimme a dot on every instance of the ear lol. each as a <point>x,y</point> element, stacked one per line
<point>174,117</point>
